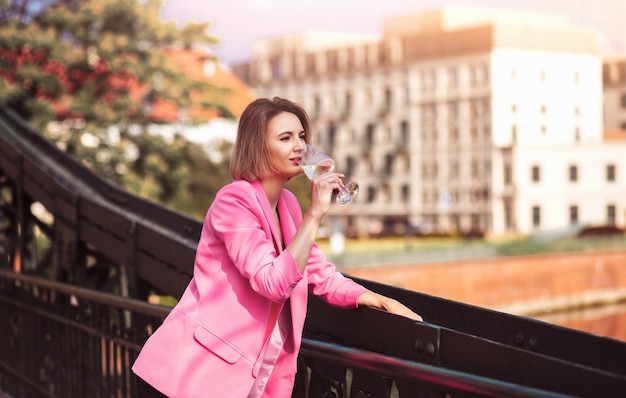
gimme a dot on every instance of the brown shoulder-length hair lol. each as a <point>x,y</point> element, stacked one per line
<point>250,158</point>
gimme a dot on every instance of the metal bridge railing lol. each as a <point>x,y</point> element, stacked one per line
<point>64,341</point>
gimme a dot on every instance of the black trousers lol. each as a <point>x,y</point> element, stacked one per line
<point>145,390</point>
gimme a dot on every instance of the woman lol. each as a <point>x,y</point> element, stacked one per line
<point>237,328</point>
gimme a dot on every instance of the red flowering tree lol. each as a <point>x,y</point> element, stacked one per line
<point>77,68</point>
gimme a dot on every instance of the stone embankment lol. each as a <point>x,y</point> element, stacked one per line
<point>537,285</point>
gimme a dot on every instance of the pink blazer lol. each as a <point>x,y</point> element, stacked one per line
<point>209,344</point>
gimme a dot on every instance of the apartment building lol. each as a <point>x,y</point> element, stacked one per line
<point>614,81</point>
<point>456,120</point>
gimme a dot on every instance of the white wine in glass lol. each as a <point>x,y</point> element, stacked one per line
<point>316,162</point>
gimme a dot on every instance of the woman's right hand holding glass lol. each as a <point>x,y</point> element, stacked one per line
<point>322,188</point>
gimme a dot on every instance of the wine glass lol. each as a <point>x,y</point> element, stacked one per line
<point>316,162</point>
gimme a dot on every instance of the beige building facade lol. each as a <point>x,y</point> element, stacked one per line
<point>614,81</point>
<point>457,120</point>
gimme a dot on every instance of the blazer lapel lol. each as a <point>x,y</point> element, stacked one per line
<point>268,214</point>
<point>286,221</point>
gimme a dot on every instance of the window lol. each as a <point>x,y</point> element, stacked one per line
<point>388,97</point>
<point>310,64</point>
<point>573,214</point>
<point>371,194</point>
<point>610,214</point>
<point>535,174</point>
<point>536,216</point>
<point>389,160</point>
<point>473,76</point>
<point>453,78</point>
<point>610,172</point>
<point>453,110</point>
<point>348,103</point>
<point>454,169</point>
<point>317,105</point>
<point>277,70</point>
<point>385,193</point>
<point>406,193</point>
<point>429,80</point>
<point>573,173</point>
<point>332,61</point>
<point>404,133</point>
<point>507,175</point>
<point>369,133</point>
<point>350,165</point>
<point>475,108</point>
<point>508,216</point>
<point>332,134</point>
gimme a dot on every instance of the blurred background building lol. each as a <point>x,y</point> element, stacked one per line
<point>461,120</point>
<point>614,85</point>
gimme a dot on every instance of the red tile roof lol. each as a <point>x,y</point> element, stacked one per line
<point>192,63</point>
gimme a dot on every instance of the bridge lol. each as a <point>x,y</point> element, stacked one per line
<point>79,258</point>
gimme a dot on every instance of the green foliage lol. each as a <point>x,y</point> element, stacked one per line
<point>101,60</point>
<point>178,174</point>
<point>301,187</point>
<point>88,73</point>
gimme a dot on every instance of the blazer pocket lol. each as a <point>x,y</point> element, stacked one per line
<point>217,345</point>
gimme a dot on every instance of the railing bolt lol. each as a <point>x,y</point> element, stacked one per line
<point>430,348</point>
<point>533,343</point>
<point>419,346</point>
<point>519,339</point>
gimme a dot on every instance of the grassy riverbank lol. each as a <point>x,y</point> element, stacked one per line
<point>398,250</point>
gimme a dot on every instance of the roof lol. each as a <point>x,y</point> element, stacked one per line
<point>201,66</point>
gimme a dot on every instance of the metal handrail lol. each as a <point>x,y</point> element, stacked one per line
<point>312,350</point>
<point>125,303</point>
<point>400,369</point>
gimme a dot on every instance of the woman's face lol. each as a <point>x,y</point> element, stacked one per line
<point>286,144</point>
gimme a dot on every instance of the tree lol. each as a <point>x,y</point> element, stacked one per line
<point>93,74</point>
<point>100,60</point>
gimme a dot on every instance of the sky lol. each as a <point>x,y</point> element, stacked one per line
<point>237,23</point>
